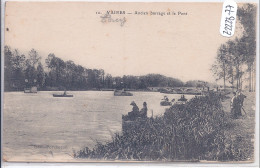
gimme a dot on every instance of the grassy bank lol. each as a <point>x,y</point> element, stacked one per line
<point>240,133</point>
<point>194,131</point>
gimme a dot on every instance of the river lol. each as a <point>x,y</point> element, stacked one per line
<point>40,127</point>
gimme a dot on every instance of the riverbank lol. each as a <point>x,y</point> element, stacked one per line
<point>202,129</point>
<point>240,133</point>
<point>192,131</point>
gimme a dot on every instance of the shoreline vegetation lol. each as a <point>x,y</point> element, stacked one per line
<point>54,74</point>
<point>195,131</point>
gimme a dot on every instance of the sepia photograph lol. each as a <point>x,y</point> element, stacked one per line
<point>130,82</point>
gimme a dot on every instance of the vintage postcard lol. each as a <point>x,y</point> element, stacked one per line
<point>130,82</point>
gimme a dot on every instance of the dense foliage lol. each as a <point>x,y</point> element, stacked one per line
<point>56,74</point>
<point>191,131</point>
<point>234,55</point>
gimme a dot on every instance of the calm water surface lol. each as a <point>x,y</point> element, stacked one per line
<point>40,127</point>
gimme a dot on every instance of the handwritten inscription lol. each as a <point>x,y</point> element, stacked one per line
<point>227,27</point>
<point>229,20</point>
<point>107,18</point>
<point>48,147</point>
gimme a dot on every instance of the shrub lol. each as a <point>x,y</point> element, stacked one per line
<point>191,131</point>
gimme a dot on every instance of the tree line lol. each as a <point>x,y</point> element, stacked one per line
<point>21,71</point>
<point>235,61</point>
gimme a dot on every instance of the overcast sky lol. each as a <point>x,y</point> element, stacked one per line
<point>178,46</point>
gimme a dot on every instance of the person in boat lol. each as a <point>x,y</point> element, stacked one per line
<point>65,93</point>
<point>135,111</point>
<point>165,98</point>
<point>183,99</point>
<point>143,112</point>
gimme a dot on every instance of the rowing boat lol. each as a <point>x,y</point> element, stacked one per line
<point>62,95</point>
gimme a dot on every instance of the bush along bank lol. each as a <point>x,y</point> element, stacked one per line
<point>193,131</point>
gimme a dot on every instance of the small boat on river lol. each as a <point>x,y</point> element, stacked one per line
<point>122,93</point>
<point>62,95</point>
<point>30,90</point>
<point>165,103</point>
<point>128,126</point>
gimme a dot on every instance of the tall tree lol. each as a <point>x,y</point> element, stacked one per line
<point>40,75</point>
<point>220,66</point>
<point>17,66</point>
<point>247,17</point>
<point>231,48</point>
<point>7,68</point>
<point>108,81</point>
<point>34,58</point>
<point>56,71</point>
